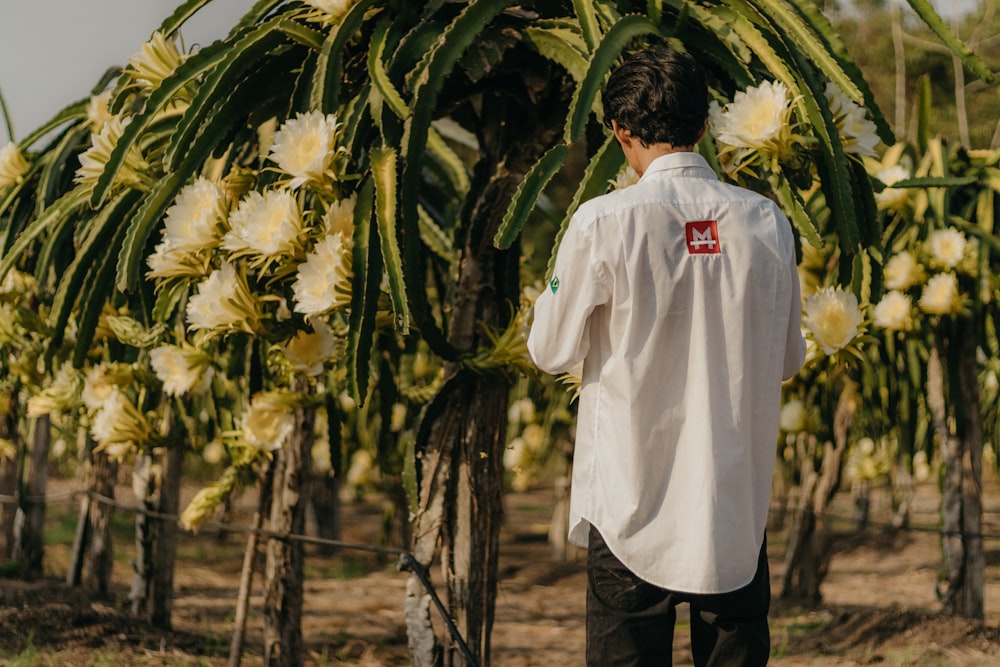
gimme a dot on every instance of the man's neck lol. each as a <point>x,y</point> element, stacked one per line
<point>644,155</point>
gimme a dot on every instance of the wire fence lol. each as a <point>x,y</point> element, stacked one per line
<point>409,563</point>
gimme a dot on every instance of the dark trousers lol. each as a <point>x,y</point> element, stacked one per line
<point>630,623</point>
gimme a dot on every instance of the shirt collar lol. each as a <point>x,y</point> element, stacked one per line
<point>681,160</point>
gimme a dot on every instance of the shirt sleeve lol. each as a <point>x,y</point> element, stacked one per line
<point>795,344</point>
<point>559,336</point>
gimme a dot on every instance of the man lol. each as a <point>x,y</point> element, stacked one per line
<point>681,297</point>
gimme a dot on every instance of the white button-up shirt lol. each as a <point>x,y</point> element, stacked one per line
<point>680,295</point>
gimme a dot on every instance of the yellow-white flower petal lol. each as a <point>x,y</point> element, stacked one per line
<point>902,271</point>
<point>947,246</point>
<point>266,225</point>
<point>13,166</point>
<point>324,279</point>
<point>308,351</point>
<point>304,147</point>
<point>941,295</point>
<point>223,302</point>
<point>893,312</point>
<point>833,318</point>
<point>857,133</point>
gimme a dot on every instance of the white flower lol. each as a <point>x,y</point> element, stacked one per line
<point>267,225</point>
<point>154,61</point>
<point>304,146</point>
<point>324,279</point>
<point>793,417</point>
<point>947,246</point>
<point>522,411</point>
<point>921,468</point>
<point>309,351</point>
<point>167,262</point>
<point>362,471</point>
<point>833,318</point>
<point>268,421</point>
<point>397,419</point>
<point>95,159</point>
<point>118,422</point>
<point>223,301</point>
<point>334,10</point>
<point>941,295</point>
<point>213,453</point>
<point>626,177</point>
<point>191,226</point>
<point>340,217</point>
<point>12,165</point>
<point>758,118</point>
<point>534,437</point>
<point>516,455</point>
<point>890,197</point>
<point>17,283</point>
<point>178,368</point>
<point>60,395</point>
<point>193,222</point>
<point>893,312</point>
<point>101,381</point>
<point>99,111</point>
<point>902,271</point>
<point>321,461</point>
<point>857,133</point>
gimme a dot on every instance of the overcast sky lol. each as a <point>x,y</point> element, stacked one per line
<point>53,51</point>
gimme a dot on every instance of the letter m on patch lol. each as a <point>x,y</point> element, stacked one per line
<point>702,237</point>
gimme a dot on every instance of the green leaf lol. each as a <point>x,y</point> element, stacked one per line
<point>935,182</point>
<point>926,11</point>
<point>74,112</point>
<point>95,250</point>
<point>378,74</point>
<point>603,167</point>
<point>301,34</point>
<point>225,72</point>
<point>449,161</point>
<point>527,195</point>
<point>383,161</point>
<point>585,95</point>
<point>93,296</point>
<point>67,206</point>
<point>835,177</point>
<point>186,73</point>
<point>434,237</point>
<point>434,70</point>
<point>585,14</point>
<point>791,203</point>
<point>325,91</point>
<point>365,292</point>
<point>924,112</point>
<point>561,45</point>
<point>830,39</point>
<point>60,161</point>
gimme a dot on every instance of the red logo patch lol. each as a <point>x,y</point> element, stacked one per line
<point>702,237</point>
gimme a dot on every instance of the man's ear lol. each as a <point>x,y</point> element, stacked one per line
<point>623,136</point>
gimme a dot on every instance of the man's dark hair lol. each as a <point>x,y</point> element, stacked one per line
<point>660,95</point>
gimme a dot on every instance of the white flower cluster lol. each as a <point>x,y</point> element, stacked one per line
<point>757,129</point>
<point>931,275</point>
<point>254,257</point>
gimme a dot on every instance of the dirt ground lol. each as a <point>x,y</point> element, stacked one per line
<point>879,604</point>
